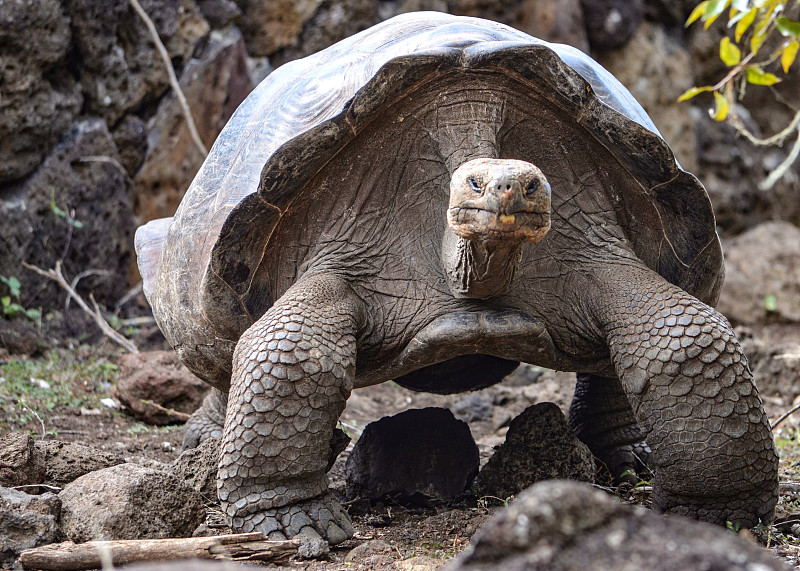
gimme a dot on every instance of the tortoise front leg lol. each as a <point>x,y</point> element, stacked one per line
<point>292,373</point>
<point>692,393</point>
<point>207,421</point>
<point>601,417</point>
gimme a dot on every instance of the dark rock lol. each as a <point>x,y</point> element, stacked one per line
<point>333,21</point>
<point>120,67</point>
<point>79,194</point>
<point>539,446</point>
<point>219,13</point>
<point>417,456</point>
<point>129,502</point>
<point>269,25</point>
<point>130,136</point>
<point>198,468</point>
<point>473,408</point>
<point>762,280</point>
<point>20,462</point>
<point>561,525</point>
<point>26,521</point>
<point>68,461</point>
<point>157,388</point>
<point>20,337</point>
<point>38,99</point>
<point>214,83</point>
<point>611,23</point>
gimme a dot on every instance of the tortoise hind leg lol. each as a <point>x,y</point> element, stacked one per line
<point>601,417</point>
<point>693,394</point>
<point>292,373</point>
<point>207,421</point>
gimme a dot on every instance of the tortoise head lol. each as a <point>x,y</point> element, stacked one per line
<point>499,201</point>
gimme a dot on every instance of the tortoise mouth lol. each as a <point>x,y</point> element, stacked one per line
<point>484,225</point>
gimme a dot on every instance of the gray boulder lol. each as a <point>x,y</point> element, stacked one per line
<point>20,462</point>
<point>563,526</point>
<point>539,445</point>
<point>68,461</point>
<point>26,521</point>
<point>129,502</point>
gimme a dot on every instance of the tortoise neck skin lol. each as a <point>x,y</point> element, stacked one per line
<point>496,205</point>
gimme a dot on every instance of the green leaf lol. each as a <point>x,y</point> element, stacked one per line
<point>740,5</point>
<point>698,11</point>
<point>33,314</point>
<point>713,11</point>
<point>788,55</point>
<point>729,52</point>
<point>758,76</point>
<point>5,300</point>
<point>744,23</point>
<point>56,210</point>
<point>721,107</point>
<point>788,27</point>
<point>770,302</point>
<point>689,93</point>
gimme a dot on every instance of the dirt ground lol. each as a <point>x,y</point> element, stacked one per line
<point>387,536</point>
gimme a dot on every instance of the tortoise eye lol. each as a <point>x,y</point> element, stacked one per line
<point>532,187</point>
<point>473,184</point>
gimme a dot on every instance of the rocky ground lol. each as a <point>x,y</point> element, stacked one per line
<point>71,395</point>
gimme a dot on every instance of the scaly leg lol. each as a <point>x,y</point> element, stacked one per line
<point>693,394</point>
<point>292,373</point>
<point>207,421</point>
<point>601,417</point>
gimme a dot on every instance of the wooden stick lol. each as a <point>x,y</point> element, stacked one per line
<point>70,556</point>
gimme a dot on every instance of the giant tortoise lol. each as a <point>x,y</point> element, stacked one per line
<point>432,201</point>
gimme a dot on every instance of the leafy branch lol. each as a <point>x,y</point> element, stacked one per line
<point>753,23</point>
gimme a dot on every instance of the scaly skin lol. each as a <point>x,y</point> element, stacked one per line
<point>292,373</point>
<point>601,417</point>
<point>692,393</point>
<point>207,421</point>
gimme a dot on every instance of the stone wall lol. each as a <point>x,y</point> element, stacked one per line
<point>89,126</point>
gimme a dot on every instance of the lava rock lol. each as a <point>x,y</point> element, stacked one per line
<point>611,23</point>
<point>539,446</point>
<point>198,468</point>
<point>129,502</point>
<point>762,278</point>
<point>157,388</point>
<point>79,193</point>
<point>68,461</point>
<point>419,456</point>
<point>26,521</point>
<point>20,462</point>
<point>560,525</point>
<point>39,98</point>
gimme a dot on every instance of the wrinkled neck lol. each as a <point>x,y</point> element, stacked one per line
<point>475,270</point>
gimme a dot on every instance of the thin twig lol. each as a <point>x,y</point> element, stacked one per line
<point>39,418</point>
<point>173,79</point>
<point>133,292</point>
<point>56,275</point>
<point>785,416</point>
<point>78,278</point>
<point>781,169</point>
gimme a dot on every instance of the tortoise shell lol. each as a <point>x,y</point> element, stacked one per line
<point>341,150</point>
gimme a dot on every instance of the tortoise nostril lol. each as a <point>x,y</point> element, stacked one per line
<point>508,186</point>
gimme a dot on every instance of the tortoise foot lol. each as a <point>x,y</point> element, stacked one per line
<point>628,462</point>
<point>319,517</point>
<point>744,512</point>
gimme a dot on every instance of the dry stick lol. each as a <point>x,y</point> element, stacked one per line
<point>69,556</point>
<point>785,416</point>
<point>108,331</point>
<point>173,79</point>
